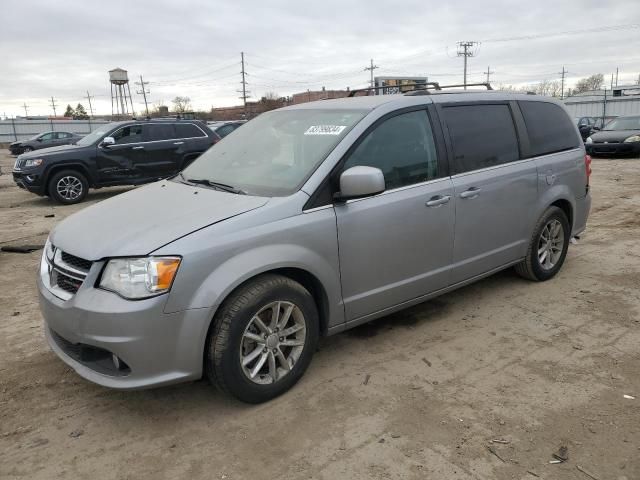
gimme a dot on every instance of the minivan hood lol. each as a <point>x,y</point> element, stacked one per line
<point>613,135</point>
<point>140,221</point>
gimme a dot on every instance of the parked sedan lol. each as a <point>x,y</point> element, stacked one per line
<point>620,136</point>
<point>225,128</point>
<point>44,140</point>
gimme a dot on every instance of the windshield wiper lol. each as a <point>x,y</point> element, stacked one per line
<point>220,186</point>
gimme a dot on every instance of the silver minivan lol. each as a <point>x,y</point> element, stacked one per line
<point>305,222</point>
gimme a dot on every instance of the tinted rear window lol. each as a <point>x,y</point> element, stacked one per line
<point>482,136</point>
<point>161,132</point>
<point>550,128</point>
<point>188,130</point>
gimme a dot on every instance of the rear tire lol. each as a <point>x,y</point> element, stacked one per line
<point>547,247</point>
<point>255,354</point>
<point>68,187</point>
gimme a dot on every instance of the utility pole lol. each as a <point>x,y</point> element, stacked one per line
<point>563,73</point>
<point>26,108</point>
<point>616,76</point>
<point>612,81</point>
<point>89,97</point>
<point>464,50</point>
<point>245,92</point>
<point>371,68</point>
<point>53,105</point>
<point>487,73</point>
<point>144,92</point>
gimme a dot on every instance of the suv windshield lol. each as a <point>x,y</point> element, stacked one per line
<point>97,134</point>
<point>273,154</point>
<point>629,123</point>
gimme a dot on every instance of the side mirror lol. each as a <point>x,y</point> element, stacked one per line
<point>358,182</point>
<point>108,141</point>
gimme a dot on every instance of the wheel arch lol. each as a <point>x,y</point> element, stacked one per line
<point>79,167</point>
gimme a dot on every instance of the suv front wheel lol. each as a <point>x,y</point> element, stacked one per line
<point>547,247</point>
<point>262,339</point>
<point>68,187</point>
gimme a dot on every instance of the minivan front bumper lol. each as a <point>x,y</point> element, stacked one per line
<point>153,348</point>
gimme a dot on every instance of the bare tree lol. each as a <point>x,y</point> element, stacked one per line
<point>271,101</point>
<point>594,82</point>
<point>181,104</point>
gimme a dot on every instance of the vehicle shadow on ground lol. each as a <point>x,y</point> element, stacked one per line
<point>200,397</point>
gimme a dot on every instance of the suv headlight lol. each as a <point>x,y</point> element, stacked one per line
<point>136,278</point>
<point>589,140</point>
<point>32,162</point>
<point>632,139</point>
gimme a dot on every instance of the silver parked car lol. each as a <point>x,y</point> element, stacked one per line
<point>305,222</point>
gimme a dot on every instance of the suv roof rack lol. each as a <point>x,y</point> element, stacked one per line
<point>421,89</point>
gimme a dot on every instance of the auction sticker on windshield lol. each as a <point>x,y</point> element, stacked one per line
<point>325,129</point>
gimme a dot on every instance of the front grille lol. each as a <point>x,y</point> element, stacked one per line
<point>77,262</point>
<point>67,272</point>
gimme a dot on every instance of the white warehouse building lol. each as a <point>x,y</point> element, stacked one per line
<point>621,100</point>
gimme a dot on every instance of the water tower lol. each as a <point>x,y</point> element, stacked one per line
<point>119,91</point>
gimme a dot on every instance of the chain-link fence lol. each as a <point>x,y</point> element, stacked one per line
<point>12,130</point>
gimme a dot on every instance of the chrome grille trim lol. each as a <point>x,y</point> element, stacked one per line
<point>61,278</point>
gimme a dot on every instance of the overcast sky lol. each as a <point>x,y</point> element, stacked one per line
<point>192,48</point>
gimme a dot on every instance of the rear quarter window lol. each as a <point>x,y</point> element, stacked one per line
<point>549,127</point>
<point>188,130</point>
<point>482,135</point>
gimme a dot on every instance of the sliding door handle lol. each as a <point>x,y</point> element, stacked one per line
<point>473,192</point>
<point>438,200</point>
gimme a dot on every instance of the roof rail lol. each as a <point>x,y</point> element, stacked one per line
<point>419,86</point>
<point>423,92</point>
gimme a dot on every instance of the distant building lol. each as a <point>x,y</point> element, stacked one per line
<point>622,100</point>
<point>237,112</point>
<point>312,96</point>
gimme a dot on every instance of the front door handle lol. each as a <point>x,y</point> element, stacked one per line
<point>473,192</point>
<point>178,143</point>
<point>438,200</point>
<point>140,147</point>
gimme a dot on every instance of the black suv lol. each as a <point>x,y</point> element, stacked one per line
<point>120,153</point>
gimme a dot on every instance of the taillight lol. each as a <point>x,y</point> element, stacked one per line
<point>587,168</point>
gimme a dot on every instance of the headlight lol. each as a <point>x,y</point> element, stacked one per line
<point>632,139</point>
<point>589,140</point>
<point>136,278</point>
<point>32,162</point>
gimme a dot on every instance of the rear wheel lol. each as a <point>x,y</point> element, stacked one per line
<point>547,247</point>
<point>262,339</point>
<point>68,187</point>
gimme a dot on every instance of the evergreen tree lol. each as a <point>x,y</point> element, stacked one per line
<point>69,112</point>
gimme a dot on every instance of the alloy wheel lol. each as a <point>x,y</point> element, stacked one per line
<point>272,342</point>
<point>69,187</point>
<point>550,244</point>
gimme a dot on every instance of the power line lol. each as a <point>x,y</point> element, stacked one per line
<point>53,105</point>
<point>143,91</point>
<point>566,32</point>
<point>464,50</point>
<point>371,68</point>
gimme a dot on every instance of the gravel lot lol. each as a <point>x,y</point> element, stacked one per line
<point>483,383</point>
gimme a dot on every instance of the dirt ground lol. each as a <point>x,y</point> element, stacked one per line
<point>483,383</point>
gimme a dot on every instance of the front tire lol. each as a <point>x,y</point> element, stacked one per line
<point>68,187</point>
<point>262,339</point>
<point>547,248</point>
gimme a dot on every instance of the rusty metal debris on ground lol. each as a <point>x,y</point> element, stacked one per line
<point>426,361</point>
<point>492,450</point>
<point>587,473</point>
<point>366,379</point>
<point>562,454</point>
<point>21,248</point>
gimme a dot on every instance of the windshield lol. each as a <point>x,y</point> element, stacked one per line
<point>97,134</point>
<point>629,123</point>
<point>273,154</point>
